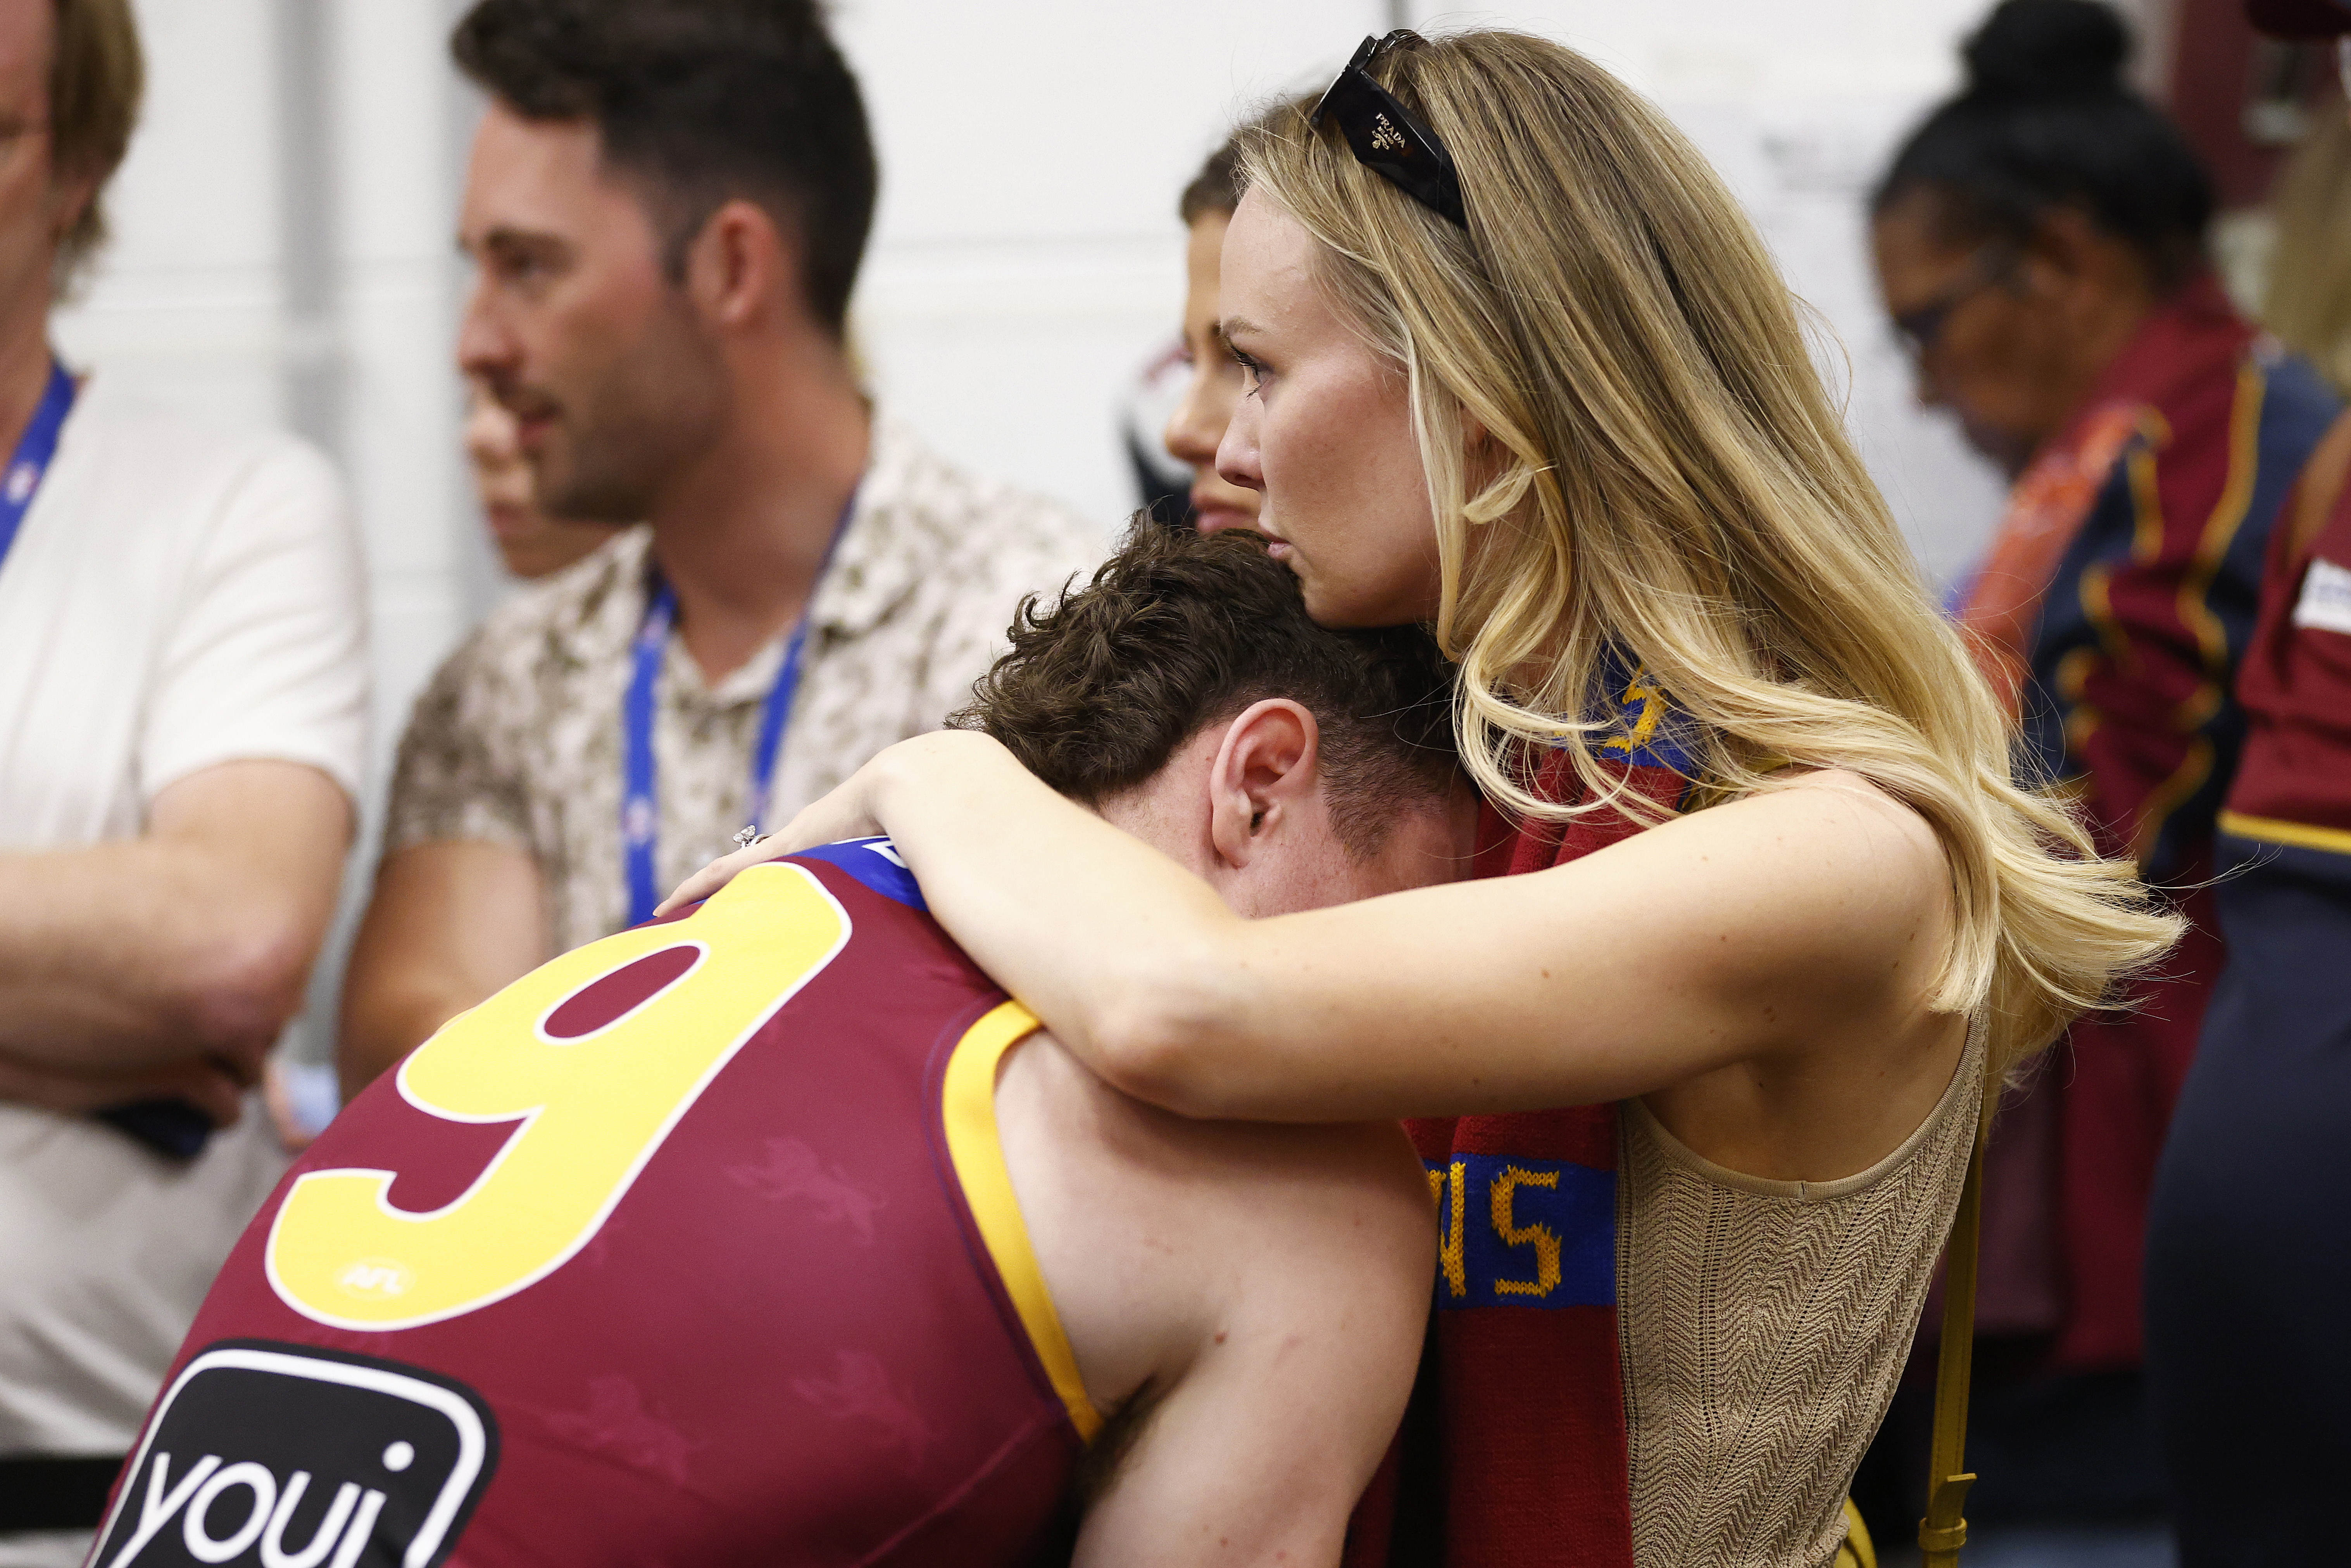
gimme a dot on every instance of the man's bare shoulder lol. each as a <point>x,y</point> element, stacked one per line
<point>1208,1159</point>
<point>1246,1304</point>
<point>1154,1229</point>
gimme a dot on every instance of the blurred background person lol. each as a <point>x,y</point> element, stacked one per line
<point>1163,485</point>
<point>2041,245</point>
<point>1185,397</point>
<point>530,544</point>
<point>1212,383</point>
<point>2246,1270</point>
<point>667,205</point>
<point>2307,302</point>
<point>183,692</point>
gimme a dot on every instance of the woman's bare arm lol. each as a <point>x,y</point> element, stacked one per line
<point>1790,927</point>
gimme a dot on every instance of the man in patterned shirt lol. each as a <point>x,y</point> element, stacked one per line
<point>668,202</point>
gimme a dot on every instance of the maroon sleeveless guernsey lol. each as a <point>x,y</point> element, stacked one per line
<point>693,1247</point>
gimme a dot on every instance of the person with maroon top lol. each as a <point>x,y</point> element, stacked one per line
<point>774,1233</point>
<point>1696,1085</point>
<point>2041,243</point>
<point>2246,1273</point>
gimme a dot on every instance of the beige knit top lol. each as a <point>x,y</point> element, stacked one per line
<point>1764,1325</point>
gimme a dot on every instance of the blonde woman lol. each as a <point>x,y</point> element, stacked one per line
<point>1518,367</point>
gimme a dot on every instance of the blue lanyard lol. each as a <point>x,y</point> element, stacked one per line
<point>30,461</point>
<point>640,808</point>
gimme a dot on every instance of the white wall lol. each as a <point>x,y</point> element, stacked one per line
<point>283,231</point>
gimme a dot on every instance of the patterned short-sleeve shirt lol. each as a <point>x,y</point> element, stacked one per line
<point>518,741</point>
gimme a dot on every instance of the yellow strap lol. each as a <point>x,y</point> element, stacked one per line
<point>1945,1529</point>
<point>968,1112</point>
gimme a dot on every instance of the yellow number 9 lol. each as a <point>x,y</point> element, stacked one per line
<point>593,1109</point>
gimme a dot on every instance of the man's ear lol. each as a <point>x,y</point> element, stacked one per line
<point>737,263</point>
<point>1266,772</point>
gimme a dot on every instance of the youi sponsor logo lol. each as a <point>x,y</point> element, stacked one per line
<point>288,1456</point>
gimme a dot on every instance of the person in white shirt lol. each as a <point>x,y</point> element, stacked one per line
<point>183,695</point>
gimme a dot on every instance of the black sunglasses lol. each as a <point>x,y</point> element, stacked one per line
<point>1387,140</point>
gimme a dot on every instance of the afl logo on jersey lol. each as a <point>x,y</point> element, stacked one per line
<point>283,1456</point>
<point>376,1279</point>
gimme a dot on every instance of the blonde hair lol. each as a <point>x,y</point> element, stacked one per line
<point>1673,492</point>
<point>2308,302</point>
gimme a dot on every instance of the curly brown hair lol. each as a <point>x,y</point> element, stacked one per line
<point>1181,630</point>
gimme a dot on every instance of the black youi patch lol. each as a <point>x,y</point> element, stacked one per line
<point>283,1456</point>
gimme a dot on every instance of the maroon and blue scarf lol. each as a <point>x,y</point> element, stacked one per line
<point>1513,1453</point>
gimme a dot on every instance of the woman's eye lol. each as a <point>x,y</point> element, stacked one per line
<point>1252,373</point>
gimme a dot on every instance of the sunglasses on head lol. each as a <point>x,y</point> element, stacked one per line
<point>1386,140</point>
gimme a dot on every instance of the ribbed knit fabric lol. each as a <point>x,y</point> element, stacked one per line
<point>1762,1326</point>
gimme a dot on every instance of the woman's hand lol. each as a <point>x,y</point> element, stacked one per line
<point>840,815</point>
<point>850,811</point>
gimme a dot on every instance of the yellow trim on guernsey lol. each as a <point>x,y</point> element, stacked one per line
<point>969,1106</point>
<point>2271,831</point>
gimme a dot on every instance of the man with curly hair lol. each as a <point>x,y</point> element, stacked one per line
<point>791,1239</point>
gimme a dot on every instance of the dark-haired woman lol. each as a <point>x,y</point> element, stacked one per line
<point>1213,386</point>
<point>2040,244</point>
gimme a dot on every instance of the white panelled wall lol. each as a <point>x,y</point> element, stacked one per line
<point>284,224</point>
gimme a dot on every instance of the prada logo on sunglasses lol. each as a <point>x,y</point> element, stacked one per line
<point>1386,138</point>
